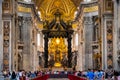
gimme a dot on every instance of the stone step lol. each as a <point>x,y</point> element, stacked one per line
<point>58,79</point>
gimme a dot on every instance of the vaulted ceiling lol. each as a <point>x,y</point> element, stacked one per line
<point>76,2</point>
<point>47,8</point>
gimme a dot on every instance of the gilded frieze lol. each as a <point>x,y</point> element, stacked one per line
<point>91,9</point>
<point>23,9</point>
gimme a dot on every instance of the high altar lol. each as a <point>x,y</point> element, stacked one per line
<point>57,51</point>
<point>54,45</point>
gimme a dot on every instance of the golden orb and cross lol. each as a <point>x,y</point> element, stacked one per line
<point>57,48</point>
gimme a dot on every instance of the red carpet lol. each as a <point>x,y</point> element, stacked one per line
<point>45,77</point>
<point>71,77</point>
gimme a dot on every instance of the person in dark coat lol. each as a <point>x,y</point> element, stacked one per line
<point>13,76</point>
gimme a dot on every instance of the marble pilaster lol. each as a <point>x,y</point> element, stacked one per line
<point>12,33</point>
<point>73,41</point>
<point>107,41</point>
<point>88,42</point>
<point>116,34</point>
<point>35,55</point>
<point>27,51</point>
<point>1,38</point>
<point>1,42</point>
<point>80,58</point>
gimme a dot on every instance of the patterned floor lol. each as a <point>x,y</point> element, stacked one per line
<point>58,79</point>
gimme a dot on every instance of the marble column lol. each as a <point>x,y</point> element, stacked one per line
<point>69,51</point>
<point>88,42</point>
<point>46,50</point>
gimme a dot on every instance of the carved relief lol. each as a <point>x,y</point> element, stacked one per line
<point>109,44</point>
<point>108,5</point>
<point>88,20</point>
<point>6,32</point>
<point>6,6</point>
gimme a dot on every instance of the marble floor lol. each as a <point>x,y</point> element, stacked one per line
<point>58,79</point>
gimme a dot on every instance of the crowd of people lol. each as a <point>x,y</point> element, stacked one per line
<point>89,74</point>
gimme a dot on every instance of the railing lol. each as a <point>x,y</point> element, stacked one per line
<point>45,77</point>
<point>72,77</point>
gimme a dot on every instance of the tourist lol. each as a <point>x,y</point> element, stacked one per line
<point>32,75</point>
<point>90,75</point>
<point>118,76</point>
<point>115,75</point>
<point>95,74</point>
<point>106,75</point>
<point>99,75</point>
<point>13,76</point>
<point>5,74</point>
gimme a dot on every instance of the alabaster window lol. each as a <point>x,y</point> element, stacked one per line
<point>76,39</point>
<point>38,39</point>
<point>39,13</point>
<point>75,14</point>
<point>27,0</point>
<point>87,0</point>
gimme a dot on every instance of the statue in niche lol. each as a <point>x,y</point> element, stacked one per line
<point>20,24</point>
<point>97,57</point>
<point>118,59</point>
<point>41,60</point>
<point>51,61</point>
<point>20,60</point>
<point>74,59</point>
<point>64,60</point>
